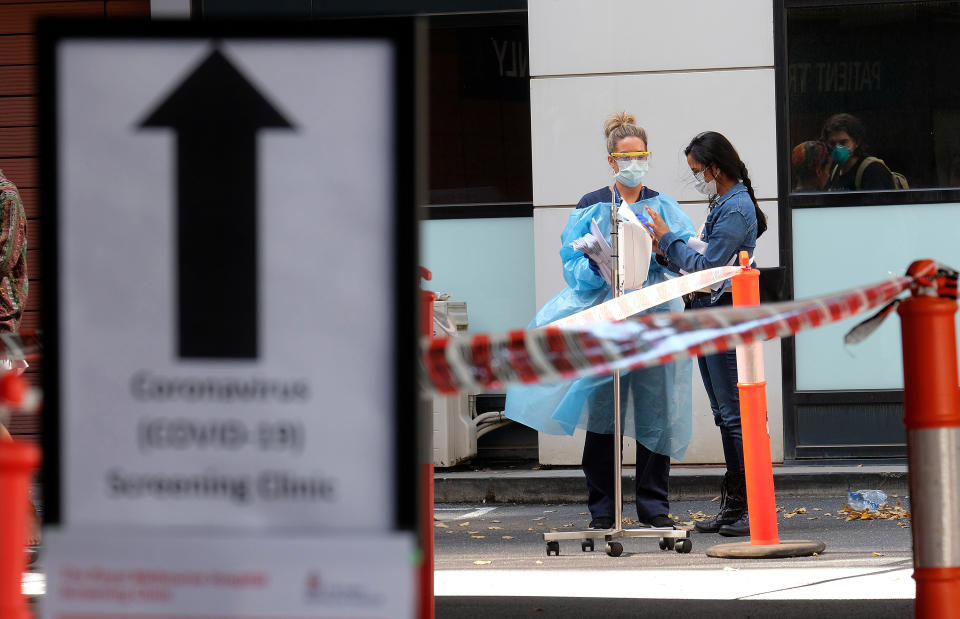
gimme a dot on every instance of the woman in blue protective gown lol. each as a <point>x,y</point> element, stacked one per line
<point>655,403</point>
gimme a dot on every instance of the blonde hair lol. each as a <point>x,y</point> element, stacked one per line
<point>622,125</point>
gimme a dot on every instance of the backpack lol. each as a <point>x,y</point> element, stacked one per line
<point>899,180</point>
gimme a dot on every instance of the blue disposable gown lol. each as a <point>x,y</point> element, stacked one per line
<point>658,398</point>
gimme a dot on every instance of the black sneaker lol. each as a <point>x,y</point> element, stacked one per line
<point>660,522</point>
<point>601,522</point>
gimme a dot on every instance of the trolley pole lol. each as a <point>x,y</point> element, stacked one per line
<point>18,461</point>
<point>932,417</point>
<point>616,291</point>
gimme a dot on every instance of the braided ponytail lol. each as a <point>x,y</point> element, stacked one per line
<point>761,216</point>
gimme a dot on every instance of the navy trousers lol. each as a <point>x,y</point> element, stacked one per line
<point>653,478</point>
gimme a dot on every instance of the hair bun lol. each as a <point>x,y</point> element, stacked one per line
<point>618,120</point>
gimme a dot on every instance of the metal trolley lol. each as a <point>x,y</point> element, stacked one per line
<point>670,539</point>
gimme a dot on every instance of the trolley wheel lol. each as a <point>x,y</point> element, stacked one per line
<point>586,545</point>
<point>667,543</point>
<point>554,548</point>
<point>614,549</point>
<point>684,546</point>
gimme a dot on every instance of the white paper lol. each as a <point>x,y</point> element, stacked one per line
<point>636,247</point>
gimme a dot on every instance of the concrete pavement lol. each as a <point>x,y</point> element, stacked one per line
<point>532,484</point>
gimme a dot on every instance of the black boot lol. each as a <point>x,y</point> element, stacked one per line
<point>733,504</point>
<point>740,527</point>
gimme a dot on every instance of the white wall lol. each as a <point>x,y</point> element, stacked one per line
<point>681,67</point>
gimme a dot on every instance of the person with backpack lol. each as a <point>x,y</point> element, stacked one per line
<point>853,169</point>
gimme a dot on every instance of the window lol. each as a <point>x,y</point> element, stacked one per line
<point>479,111</point>
<point>892,68</point>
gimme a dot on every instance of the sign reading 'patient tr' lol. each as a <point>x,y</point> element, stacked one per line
<point>217,113</point>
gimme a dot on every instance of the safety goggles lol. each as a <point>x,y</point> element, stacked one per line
<point>642,155</point>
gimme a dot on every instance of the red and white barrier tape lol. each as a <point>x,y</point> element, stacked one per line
<point>490,362</point>
<point>635,302</point>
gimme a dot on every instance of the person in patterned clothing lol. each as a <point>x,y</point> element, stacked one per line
<point>13,290</point>
<point>13,257</point>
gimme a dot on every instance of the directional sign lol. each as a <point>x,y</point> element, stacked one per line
<point>216,113</point>
<point>229,279</point>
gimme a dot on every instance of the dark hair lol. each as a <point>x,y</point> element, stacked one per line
<point>849,124</point>
<point>713,149</point>
<point>806,160</point>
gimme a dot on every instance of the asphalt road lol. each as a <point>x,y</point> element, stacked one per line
<point>506,539</point>
<point>511,536</point>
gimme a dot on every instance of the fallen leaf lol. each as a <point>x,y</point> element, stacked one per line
<point>441,525</point>
<point>539,518</point>
<point>628,521</point>
<point>472,532</point>
<point>536,468</point>
<point>540,524</point>
<point>539,562</point>
<point>817,509</point>
<point>482,562</point>
<point>877,554</point>
<point>495,528</point>
<point>568,525</point>
<point>464,524</point>
<point>860,466</point>
<point>478,536</point>
<point>496,521</point>
<point>715,499</point>
<point>813,518</point>
<point>816,554</point>
<point>507,537</point>
<point>584,514</point>
<point>903,524</point>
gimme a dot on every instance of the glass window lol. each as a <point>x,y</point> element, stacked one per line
<point>479,110</point>
<point>873,96</point>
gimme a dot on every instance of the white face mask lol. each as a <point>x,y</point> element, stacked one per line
<point>707,189</point>
<point>632,172</point>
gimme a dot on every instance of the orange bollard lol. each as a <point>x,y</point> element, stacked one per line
<point>426,601</point>
<point>18,461</point>
<point>761,500</point>
<point>761,503</point>
<point>932,417</point>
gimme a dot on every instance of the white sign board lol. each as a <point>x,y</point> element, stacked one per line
<point>227,312</point>
<point>95,574</point>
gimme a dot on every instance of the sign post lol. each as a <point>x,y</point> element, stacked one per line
<point>230,287</point>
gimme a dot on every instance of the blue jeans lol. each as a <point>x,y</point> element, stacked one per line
<point>719,374</point>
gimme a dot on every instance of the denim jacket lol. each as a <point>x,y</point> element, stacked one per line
<point>731,227</point>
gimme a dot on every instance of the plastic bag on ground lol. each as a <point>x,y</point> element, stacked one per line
<point>866,499</point>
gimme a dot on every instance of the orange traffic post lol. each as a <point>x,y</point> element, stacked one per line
<point>18,461</point>
<point>426,602</point>
<point>758,465</point>
<point>931,403</point>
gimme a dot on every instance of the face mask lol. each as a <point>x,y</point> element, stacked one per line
<point>632,172</point>
<point>840,154</point>
<point>707,189</point>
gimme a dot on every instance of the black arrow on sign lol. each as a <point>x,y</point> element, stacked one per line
<point>216,113</point>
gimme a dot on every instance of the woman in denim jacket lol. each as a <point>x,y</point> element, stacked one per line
<point>733,224</point>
